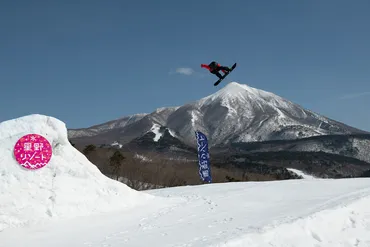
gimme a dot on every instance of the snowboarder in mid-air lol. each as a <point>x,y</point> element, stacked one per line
<point>215,68</point>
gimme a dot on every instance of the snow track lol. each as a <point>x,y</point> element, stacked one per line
<point>282,213</point>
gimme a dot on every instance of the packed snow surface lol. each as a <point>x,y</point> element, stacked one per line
<point>68,186</point>
<point>317,213</point>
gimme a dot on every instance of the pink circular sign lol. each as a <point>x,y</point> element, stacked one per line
<point>32,151</point>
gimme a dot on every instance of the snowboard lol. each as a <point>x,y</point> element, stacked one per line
<point>220,80</point>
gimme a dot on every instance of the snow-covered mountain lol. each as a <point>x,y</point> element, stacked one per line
<point>98,129</point>
<point>235,113</point>
<point>356,146</point>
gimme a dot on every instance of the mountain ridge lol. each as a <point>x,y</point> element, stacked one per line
<point>235,113</point>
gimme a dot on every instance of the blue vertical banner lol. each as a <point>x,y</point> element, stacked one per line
<point>203,157</point>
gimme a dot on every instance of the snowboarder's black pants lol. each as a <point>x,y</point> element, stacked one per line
<point>217,73</point>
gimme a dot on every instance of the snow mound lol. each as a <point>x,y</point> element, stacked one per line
<point>68,186</point>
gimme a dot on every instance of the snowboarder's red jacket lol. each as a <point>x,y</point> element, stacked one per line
<point>207,67</point>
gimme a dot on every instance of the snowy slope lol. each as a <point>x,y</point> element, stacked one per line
<point>97,129</point>
<point>362,147</point>
<point>301,173</point>
<point>356,146</point>
<point>123,130</point>
<point>235,113</point>
<point>68,186</point>
<point>155,130</point>
<point>305,213</point>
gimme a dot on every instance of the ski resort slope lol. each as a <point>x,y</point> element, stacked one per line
<point>315,213</point>
<point>69,202</point>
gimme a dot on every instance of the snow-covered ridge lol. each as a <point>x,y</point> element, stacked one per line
<point>237,113</point>
<point>68,186</point>
<point>301,173</point>
<point>160,109</point>
<point>171,133</point>
<point>97,129</point>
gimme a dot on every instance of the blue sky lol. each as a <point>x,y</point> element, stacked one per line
<point>87,62</point>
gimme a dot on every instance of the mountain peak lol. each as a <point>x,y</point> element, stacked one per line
<point>233,84</point>
<point>240,92</point>
<point>236,88</point>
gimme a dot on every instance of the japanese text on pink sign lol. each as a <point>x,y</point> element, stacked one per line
<point>33,151</point>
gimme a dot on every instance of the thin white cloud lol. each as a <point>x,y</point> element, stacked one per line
<point>355,95</point>
<point>184,71</point>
